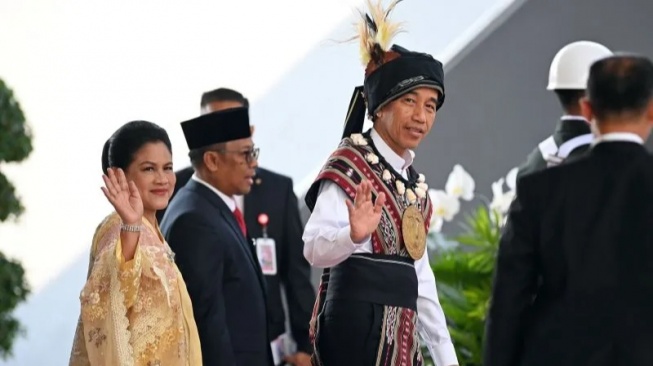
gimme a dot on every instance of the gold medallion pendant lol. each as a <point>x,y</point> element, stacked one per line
<point>413,232</point>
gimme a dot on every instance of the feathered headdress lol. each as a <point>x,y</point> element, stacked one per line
<point>390,70</point>
<point>375,33</point>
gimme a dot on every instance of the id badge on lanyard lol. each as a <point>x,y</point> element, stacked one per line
<point>266,249</point>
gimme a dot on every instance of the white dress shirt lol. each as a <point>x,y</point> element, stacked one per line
<point>231,203</point>
<point>618,136</point>
<point>240,203</point>
<point>327,242</point>
<point>573,117</point>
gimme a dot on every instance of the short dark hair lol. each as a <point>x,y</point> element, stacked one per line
<point>569,98</point>
<point>223,95</point>
<point>120,148</point>
<point>197,155</point>
<point>620,84</point>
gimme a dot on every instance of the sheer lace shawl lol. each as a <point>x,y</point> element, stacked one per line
<point>130,311</point>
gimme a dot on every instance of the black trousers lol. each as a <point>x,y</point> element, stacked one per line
<point>350,333</point>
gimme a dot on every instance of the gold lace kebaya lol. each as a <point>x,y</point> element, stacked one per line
<point>135,312</point>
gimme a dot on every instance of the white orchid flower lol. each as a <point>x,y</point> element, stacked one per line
<point>501,204</point>
<point>421,178</point>
<point>460,184</point>
<point>436,224</point>
<point>497,188</point>
<point>445,207</point>
<point>511,179</point>
<point>501,200</point>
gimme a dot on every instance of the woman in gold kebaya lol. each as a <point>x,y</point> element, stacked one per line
<point>135,309</point>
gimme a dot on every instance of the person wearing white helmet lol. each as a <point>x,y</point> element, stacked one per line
<point>568,79</point>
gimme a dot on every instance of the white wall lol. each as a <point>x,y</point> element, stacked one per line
<point>80,69</point>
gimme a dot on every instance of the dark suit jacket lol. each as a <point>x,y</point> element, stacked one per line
<point>565,130</point>
<point>223,277</point>
<point>574,274</point>
<point>273,195</point>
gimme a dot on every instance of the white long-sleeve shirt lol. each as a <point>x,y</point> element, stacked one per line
<point>327,242</point>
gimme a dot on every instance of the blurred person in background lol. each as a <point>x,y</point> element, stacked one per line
<point>567,79</point>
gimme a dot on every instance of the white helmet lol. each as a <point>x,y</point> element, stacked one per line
<point>571,65</point>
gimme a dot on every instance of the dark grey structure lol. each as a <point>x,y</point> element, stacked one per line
<point>497,107</point>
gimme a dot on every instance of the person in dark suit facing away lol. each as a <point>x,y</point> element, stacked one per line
<point>272,198</point>
<point>207,232</point>
<point>573,278</point>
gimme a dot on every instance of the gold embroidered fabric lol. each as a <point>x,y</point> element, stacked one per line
<point>135,312</point>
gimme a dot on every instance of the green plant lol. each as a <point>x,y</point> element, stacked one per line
<point>464,269</point>
<point>464,276</point>
<point>15,146</point>
<point>13,290</point>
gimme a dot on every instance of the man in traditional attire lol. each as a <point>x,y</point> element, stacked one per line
<point>567,78</point>
<point>573,276</point>
<point>370,214</point>
<point>207,232</point>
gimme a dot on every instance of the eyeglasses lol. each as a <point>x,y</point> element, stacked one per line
<point>249,155</point>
